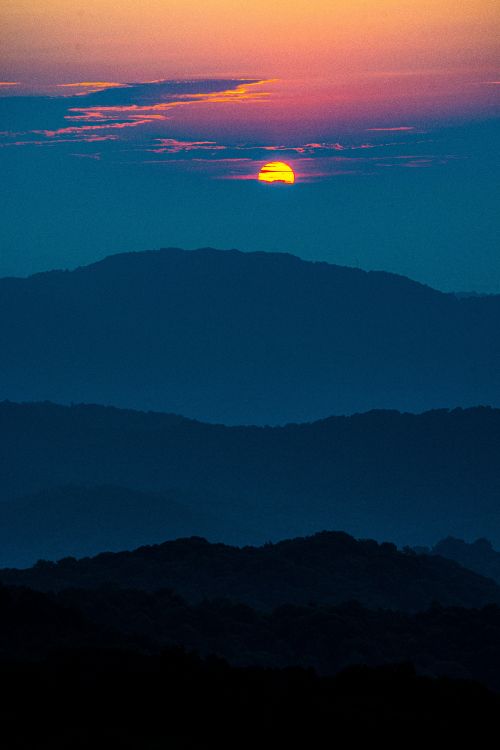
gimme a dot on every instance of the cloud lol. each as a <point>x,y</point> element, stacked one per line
<point>97,85</point>
<point>174,146</point>
<point>400,128</point>
<point>80,129</point>
<point>312,160</point>
<point>325,146</point>
<point>136,123</point>
<point>95,156</point>
<point>317,148</point>
<point>117,107</point>
<point>84,139</point>
<point>154,101</point>
<point>307,148</point>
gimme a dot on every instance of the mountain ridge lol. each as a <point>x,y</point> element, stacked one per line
<point>386,475</point>
<point>234,252</point>
<point>244,338</point>
<point>326,568</point>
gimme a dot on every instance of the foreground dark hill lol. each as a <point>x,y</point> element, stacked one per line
<point>105,698</point>
<point>441,641</point>
<point>407,478</point>
<point>327,568</point>
<point>244,338</point>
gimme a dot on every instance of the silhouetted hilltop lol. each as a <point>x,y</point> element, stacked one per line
<point>478,556</point>
<point>330,567</point>
<point>408,478</point>
<point>238,337</point>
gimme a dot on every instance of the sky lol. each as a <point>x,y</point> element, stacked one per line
<point>131,126</point>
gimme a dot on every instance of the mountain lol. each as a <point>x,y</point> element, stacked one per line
<point>80,521</point>
<point>327,568</point>
<point>260,338</point>
<point>385,475</point>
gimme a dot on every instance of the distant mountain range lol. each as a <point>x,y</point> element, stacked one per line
<point>75,480</point>
<point>261,338</point>
<point>79,521</point>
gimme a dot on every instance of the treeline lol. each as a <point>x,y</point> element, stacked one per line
<point>442,641</point>
<point>479,556</point>
<point>327,568</point>
<point>455,642</point>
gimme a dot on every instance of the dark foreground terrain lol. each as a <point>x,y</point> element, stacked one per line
<point>115,699</point>
<point>105,657</point>
<point>441,641</point>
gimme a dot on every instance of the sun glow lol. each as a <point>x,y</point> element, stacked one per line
<point>277,171</point>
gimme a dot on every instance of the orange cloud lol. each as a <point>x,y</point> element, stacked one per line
<point>173,146</point>
<point>77,129</point>
<point>51,142</point>
<point>144,104</point>
<point>158,111</point>
<point>92,85</point>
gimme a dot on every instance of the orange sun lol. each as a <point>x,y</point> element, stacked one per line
<point>277,171</point>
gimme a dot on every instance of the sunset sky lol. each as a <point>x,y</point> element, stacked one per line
<point>87,39</point>
<point>130,125</point>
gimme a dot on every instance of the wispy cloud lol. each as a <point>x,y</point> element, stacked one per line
<point>307,148</point>
<point>255,152</point>
<point>136,123</point>
<point>84,139</point>
<point>400,128</point>
<point>80,129</point>
<point>174,146</point>
<point>144,105</point>
<point>96,156</point>
<point>97,85</point>
<point>111,107</point>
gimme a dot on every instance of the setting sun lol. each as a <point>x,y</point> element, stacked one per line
<point>277,171</point>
